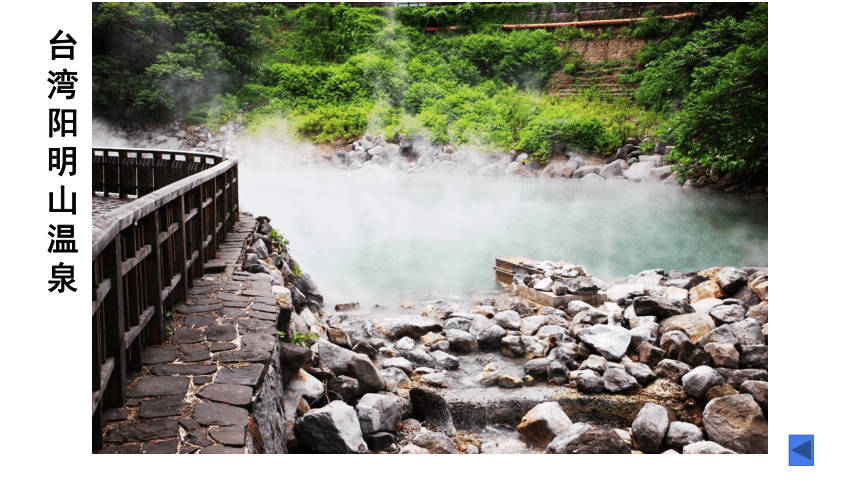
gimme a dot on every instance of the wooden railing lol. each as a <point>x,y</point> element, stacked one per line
<point>140,172</point>
<point>147,252</point>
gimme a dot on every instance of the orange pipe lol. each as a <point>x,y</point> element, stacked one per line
<point>582,23</point>
<point>591,23</point>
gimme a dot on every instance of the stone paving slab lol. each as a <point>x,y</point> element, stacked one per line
<point>195,391</point>
<point>162,407</point>
<point>226,393</point>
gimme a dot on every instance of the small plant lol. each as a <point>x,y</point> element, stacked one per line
<point>573,64</point>
<point>302,339</point>
<point>167,330</point>
<point>647,147</point>
<point>296,271</point>
<point>282,336</point>
<point>278,240</point>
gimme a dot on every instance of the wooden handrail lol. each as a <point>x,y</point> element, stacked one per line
<point>147,252</point>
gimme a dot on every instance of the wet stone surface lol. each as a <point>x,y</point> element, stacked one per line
<point>201,381</point>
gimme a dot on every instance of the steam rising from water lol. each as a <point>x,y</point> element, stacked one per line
<point>390,236</point>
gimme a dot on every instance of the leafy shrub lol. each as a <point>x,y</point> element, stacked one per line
<point>415,94</point>
<point>555,124</point>
<point>333,122</point>
<point>567,33</point>
<point>716,81</point>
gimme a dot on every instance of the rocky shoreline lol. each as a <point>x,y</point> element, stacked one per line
<point>629,164</point>
<point>662,362</point>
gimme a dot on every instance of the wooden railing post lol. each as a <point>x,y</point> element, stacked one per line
<point>115,324</point>
<point>154,279</point>
<point>146,254</point>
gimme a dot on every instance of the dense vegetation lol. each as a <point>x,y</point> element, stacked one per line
<point>713,82</point>
<point>334,73</point>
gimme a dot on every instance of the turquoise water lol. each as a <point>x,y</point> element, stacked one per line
<point>387,237</point>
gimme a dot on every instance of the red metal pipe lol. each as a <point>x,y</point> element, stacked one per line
<point>592,23</point>
<point>582,23</point>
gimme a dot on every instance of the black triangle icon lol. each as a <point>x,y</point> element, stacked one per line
<point>804,449</point>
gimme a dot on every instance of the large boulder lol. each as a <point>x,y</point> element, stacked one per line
<point>588,381</point>
<point>610,341</point>
<point>508,319</point>
<point>412,326</point>
<point>736,422</point>
<point>723,355</point>
<point>491,338</point>
<point>647,332</point>
<point>378,412</point>
<point>649,427</point>
<point>306,385</point>
<point>727,313</point>
<point>672,370</point>
<point>699,380</point>
<point>625,291</point>
<point>616,168</point>
<point>706,290</point>
<point>419,357</point>
<point>368,376</point>
<point>333,357</point>
<point>531,324</point>
<point>706,447</point>
<point>641,373</point>
<point>344,388</point>
<point>306,285</point>
<point>590,316</point>
<point>563,443</point>
<point>395,379</point>
<point>617,380</point>
<point>748,332</point>
<point>731,279</point>
<point>676,344</point>
<point>583,171</point>
<point>444,361</point>
<point>543,423</point>
<point>596,441</point>
<point>695,325</point>
<point>435,443</point>
<point>461,341</point>
<point>400,363</point>
<point>754,356</point>
<point>661,173</point>
<point>758,390</point>
<point>660,307</point>
<point>736,378</point>
<point>433,408</point>
<point>333,429</point>
<point>346,362</point>
<point>681,434</point>
<point>639,171</point>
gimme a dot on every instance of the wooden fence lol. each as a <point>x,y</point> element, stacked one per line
<point>147,252</point>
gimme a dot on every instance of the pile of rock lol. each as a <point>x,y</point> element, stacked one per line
<point>265,257</point>
<point>417,155</point>
<point>735,424</point>
<point>700,336</point>
<point>629,164</point>
<point>173,137</point>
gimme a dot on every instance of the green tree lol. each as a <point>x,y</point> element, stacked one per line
<point>715,83</point>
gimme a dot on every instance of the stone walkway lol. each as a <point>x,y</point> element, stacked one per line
<point>195,392</point>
